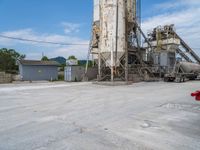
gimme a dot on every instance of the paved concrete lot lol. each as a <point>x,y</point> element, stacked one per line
<point>83,116</point>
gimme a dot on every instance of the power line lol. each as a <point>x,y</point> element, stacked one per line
<point>37,41</point>
<point>48,42</point>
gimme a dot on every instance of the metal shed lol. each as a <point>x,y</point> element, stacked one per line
<point>31,70</point>
<point>76,73</point>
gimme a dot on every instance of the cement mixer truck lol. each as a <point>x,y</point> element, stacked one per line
<point>183,71</point>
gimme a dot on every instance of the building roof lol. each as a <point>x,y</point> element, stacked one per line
<point>38,63</point>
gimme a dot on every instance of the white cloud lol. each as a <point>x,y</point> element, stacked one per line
<point>177,4</point>
<point>71,27</point>
<point>35,50</point>
<point>30,34</point>
<point>80,51</point>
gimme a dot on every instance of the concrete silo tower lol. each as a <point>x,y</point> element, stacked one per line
<point>114,30</point>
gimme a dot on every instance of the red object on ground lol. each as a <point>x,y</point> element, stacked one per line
<point>197,95</point>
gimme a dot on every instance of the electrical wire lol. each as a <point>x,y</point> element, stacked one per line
<point>48,42</point>
<point>37,41</point>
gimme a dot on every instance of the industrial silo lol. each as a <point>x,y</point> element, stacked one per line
<point>112,30</point>
<point>96,11</point>
<point>113,24</point>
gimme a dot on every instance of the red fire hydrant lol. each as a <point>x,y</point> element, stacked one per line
<point>197,95</point>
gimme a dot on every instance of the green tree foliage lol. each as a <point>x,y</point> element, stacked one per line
<point>45,58</point>
<point>72,57</point>
<point>84,63</point>
<point>8,58</point>
<point>62,67</point>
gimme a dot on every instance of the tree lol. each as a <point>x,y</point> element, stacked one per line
<point>8,58</point>
<point>45,58</point>
<point>72,57</point>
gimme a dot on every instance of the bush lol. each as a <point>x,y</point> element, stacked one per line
<point>60,77</point>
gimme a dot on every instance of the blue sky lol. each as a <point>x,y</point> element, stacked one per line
<point>69,21</point>
<point>45,15</point>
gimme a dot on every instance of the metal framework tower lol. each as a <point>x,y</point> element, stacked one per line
<point>116,43</point>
